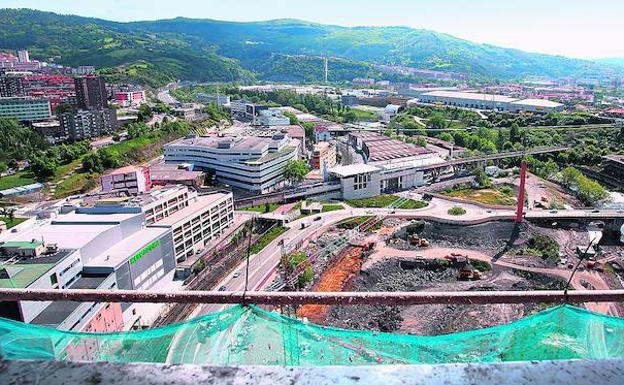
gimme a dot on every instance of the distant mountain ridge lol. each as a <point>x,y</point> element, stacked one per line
<point>616,61</point>
<point>210,50</point>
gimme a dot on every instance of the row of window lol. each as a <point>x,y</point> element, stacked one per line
<point>360,182</point>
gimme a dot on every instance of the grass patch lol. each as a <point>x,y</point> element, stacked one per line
<point>490,196</point>
<point>21,178</point>
<point>266,208</point>
<point>543,246</point>
<point>267,238</point>
<point>456,211</point>
<point>480,265</point>
<point>12,223</point>
<point>385,201</point>
<point>332,207</point>
<point>75,184</point>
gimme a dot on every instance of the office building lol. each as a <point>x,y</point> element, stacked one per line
<point>130,98</point>
<point>90,92</point>
<point>84,124</point>
<point>10,84</point>
<point>108,244</point>
<point>190,112</point>
<point>323,156</point>
<point>246,111</point>
<point>25,108</point>
<point>204,218</point>
<point>249,163</point>
<point>159,203</point>
<point>23,56</point>
<point>391,166</point>
<point>271,117</point>
<point>217,99</point>
<point>134,179</point>
<point>84,249</point>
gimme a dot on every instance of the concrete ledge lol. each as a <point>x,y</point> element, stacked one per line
<point>568,372</point>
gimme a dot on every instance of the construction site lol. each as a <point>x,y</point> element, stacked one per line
<point>403,253</point>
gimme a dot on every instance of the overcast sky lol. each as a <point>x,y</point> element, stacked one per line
<point>575,28</point>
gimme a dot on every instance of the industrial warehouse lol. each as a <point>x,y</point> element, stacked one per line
<point>490,102</point>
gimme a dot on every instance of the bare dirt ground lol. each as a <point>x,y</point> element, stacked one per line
<point>389,275</point>
<point>382,270</point>
<point>545,192</point>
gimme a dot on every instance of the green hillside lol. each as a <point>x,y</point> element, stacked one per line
<point>155,52</point>
<point>152,58</point>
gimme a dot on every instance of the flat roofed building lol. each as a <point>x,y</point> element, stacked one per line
<point>21,190</point>
<point>84,124</point>
<point>130,98</point>
<point>88,242</point>
<point>135,179</point>
<point>220,100</point>
<point>490,101</point>
<point>248,163</point>
<point>25,109</point>
<point>378,148</point>
<point>199,223</point>
<point>358,180</point>
<point>535,105</point>
<point>271,117</point>
<point>165,174</point>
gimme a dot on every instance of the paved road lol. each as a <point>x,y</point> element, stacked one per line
<point>165,97</point>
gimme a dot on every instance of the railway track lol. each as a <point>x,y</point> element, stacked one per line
<point>218,266</point>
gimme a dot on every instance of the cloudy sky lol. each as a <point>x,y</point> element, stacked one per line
<point>575,28</point>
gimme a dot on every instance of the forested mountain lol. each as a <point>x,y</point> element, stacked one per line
<point>280,50</point>
<point>616,61</point>
<point>153,58</point>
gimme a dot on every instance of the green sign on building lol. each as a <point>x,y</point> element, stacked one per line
<point>152,246</point>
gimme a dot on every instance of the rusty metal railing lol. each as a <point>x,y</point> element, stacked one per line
<point>322,298</point>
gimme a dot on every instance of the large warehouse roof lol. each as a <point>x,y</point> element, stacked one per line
<point>471,96</point>
<point>537,103</point>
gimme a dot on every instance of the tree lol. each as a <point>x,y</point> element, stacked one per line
<point>295,170</point>
<point>145,113</point>
<point>42,166</point>
<point>515,134</point>
<point>447,137</point>
<point>482,179</point>
<point>92,163</point>
<point>292,117</point>
<point>437,121</point>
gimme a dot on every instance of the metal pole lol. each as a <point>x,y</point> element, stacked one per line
<point>322,298</point>
<point>248,252</point>
<point>520,207</point>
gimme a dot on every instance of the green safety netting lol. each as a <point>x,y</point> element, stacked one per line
<point>252,336</point>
